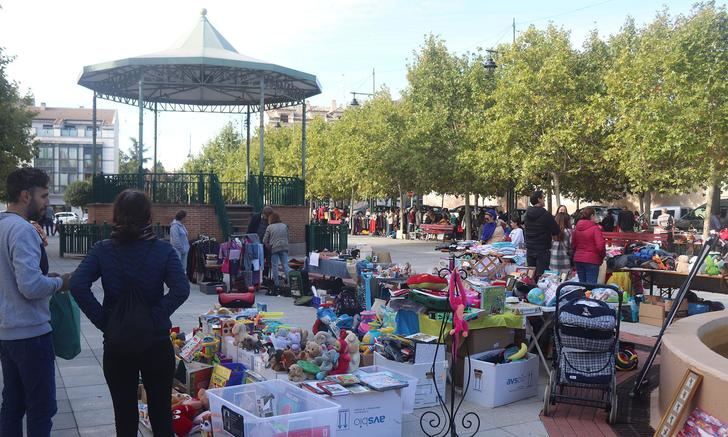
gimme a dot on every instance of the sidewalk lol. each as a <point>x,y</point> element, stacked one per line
<point>84,403</point>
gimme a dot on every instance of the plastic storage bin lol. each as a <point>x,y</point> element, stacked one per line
<point>292,411</point>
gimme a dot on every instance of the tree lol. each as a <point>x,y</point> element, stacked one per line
<point>129,161</point>
<point>78,194</point>
<point>17,146</point>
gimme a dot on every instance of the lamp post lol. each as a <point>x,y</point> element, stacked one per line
<point>354,101</point>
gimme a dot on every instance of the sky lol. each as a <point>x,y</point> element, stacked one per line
<point>340,41</point>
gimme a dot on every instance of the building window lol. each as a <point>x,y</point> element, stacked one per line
<point>88,164</point>
<point>90,132</point>
<point>284,118</point>
<point>46,130</point>
<point>69,131</point>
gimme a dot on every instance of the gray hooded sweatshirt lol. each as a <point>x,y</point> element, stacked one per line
<point>24,291</point>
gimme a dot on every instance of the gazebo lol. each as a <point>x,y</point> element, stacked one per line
<point>203,72</point>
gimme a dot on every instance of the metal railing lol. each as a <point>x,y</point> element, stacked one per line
<point>217,198</point>
<point>181,188</point>
<point>234,192</point>
<point>78,239</point>
<point>275,190</point>
<point>325,236</point>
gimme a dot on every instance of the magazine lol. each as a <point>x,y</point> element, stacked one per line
<point>423,338</point>
<point>381,381</point>
<point>358,388</point>
<point>333,389</point>
<point>313,387</point>
<point>345,380</point>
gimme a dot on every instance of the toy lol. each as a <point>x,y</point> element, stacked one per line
<point>202,396</point>
<point>324,338</point>
<point>536,296</point>
<point>181,424</point>
<point>312,351</point>
<point>295,373</point>
<point>342,366</point>
<point>457,303</point>
<point>227,326</point>
<point>298,338</point>
<point>683,264</point>
<point>281,339</point>
<point>326,363</point>
<point>309,367</point>
<point>711,268</point>
<point>288,358</point>
<point>353,341</point>
<point>178,398</point>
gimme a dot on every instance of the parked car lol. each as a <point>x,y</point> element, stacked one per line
<point>66,217</point>
<point>601,211</point>
<point>695,218</point>
<point>676,212</point>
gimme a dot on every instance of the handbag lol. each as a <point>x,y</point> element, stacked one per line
<point>66,324</point>
<point>225,268</point>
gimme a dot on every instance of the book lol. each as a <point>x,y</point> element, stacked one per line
<point>358,388</point>
<point>422,338</point>
<point>381,381</point>
<point>345,379</point>
<point>333,389</point>
<point>313,387</point>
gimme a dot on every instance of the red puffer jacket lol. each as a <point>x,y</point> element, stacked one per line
<point>588,243</point>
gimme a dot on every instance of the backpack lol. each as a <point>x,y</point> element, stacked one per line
<point>130,321</point>
<point>346,303</point>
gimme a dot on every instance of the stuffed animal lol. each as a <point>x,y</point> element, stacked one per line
<point>326,362</point>
<point>342,366</point>
<point>323,338</point>
<point>298,338</point>
<point>178,398</point>
<point>312,351</point>
<point>282,339</point>
<point>457,304</point>
<point>683,264</point>
<point>288,358</point>
<point>181,424</point>
<point>711,268</point>
<point>239,332</point>
<point>353,341</point>
<point>295,373</point>
<point>275,361</point>
<point>202,396</point>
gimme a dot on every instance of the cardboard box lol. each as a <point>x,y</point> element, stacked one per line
<point>191,377</point>
<point>375,413</point>
<point>492,385</point>
<point>682,310</point>
<point>652,313</point>
<point>366,360</point>
<point>250,360</point>
<point>428,383</point>
<point>480,340</point>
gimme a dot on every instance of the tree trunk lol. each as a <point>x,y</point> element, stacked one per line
<point>476,201</point>
<point>648,205</point>
<point>351,213</point>
<point>468,224</point>
<point>712,205</point>
<point>557,188</point>
<point>642,203</point>
<point>577,203</point>
<point>310,210</point>
<point>549,200</point>
<point>402,213</point>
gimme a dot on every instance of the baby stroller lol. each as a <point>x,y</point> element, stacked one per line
<point>586,332</point>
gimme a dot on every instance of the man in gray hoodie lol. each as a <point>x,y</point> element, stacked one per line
<point>26,345</point>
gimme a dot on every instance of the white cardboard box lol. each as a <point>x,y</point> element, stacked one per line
<point>376,413</point>
<point>428,384</point>
<point>250,360</point>
<point>492,385</point>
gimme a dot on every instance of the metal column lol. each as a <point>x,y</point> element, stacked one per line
<point>247,146</point>
<point>155,138</point>
<point>303,144</point>
<point>140,141</point>
<point>261,130</point>
<point>93,136</point>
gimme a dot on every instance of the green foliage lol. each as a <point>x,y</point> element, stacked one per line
<point>129,161</point>
<point>78,194</point>
<point>17,146</point>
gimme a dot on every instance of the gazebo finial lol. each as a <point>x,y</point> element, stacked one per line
<point>203,12</point>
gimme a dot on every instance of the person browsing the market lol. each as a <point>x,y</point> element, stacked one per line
<point>179,238</point>
<point>134,316</point>
<point>493,231</point>
<point>540,227</point>
<point>587,243</point>
<point>561,245</point>
<point>26,344</point>
<point>259,222</point>
<point>276,240</point>
<point>516,234</point>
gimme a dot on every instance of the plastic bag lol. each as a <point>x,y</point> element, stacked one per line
<point>66,324</point>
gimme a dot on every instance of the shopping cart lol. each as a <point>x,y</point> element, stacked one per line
<point>586,333</point>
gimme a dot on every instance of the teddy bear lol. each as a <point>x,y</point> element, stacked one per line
<point>202,396</point>
<point>683,264</point>
<point>326,362</point>
<point>281,339</point>
<point>298,338</point>
<point>312,351</point>
<point>342,365</point>
<point>323,338</point>
<point>295,373</point>
<point>353,341</point>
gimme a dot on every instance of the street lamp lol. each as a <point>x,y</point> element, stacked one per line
<point>489,63</point>
<point>354,101</point>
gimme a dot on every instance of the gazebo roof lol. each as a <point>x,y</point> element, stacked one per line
<point>201,72</point>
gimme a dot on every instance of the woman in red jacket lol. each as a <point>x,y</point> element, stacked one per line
<point>588,246</point>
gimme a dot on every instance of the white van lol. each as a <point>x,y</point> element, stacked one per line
<point>676,212</point>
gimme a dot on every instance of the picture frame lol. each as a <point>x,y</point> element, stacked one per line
<point>529,272</point>
<point>684,393</point>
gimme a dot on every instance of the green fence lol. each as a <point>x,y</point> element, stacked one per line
<point>324,236</point>
<point>234,192</point>
<point>78,239</point>
<point>275,190</point>
<point>181,188</point>
<point>218,200</point>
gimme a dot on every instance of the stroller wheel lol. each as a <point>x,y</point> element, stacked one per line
<point>547,398</point>
<point>613,402</point>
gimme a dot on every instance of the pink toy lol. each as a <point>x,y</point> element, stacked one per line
<point>457,304</point>
<point>344,358</point>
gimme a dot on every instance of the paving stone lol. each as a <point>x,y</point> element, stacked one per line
<point>64,421</point>
<point>93,418</point>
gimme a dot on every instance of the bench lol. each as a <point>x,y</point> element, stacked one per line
<point>622,239</point>
<point>435,230</point>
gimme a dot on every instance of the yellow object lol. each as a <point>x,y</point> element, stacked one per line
<point>520,354</point>
<point>271,315</point>
<point>623,280</point>
<point>220,376</point>
<point>506,320</point>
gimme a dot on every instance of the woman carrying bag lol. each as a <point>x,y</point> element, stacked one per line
<point>134,267</point>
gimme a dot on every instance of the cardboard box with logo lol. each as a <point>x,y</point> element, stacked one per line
<point>480,340</point>
<point>428,383</point>
<point>492,385</point>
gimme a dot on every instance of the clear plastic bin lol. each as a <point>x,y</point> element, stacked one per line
<point>294,412</point>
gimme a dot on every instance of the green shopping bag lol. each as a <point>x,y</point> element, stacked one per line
<point>66,324</point>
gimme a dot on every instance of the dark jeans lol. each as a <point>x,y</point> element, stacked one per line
<point>588,273</point>
<point>49,227</point>
<point>30,386</point>
<point>156,365</point>
<point>540,260</point>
